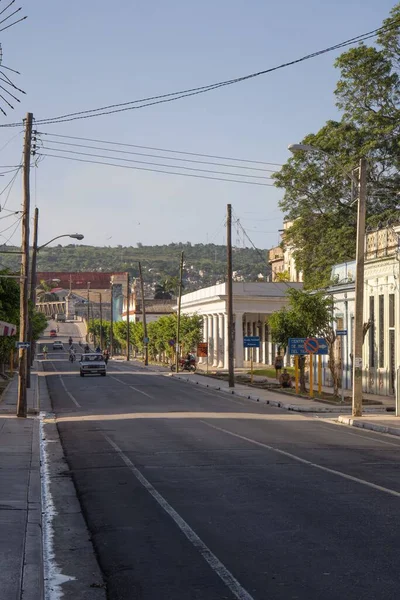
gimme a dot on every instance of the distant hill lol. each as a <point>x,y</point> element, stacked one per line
<point>205,264</point>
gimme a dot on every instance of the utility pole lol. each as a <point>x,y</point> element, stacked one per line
<point>88,310</point>
<point>112,320</point>
<point>359,295</point>
<point>23,321</point>
<point>229,299</point>
<point>128,299</point>
<point>146,347</point>
<point>101,322</point>
<point>178,320</point>
<point>30,350</point>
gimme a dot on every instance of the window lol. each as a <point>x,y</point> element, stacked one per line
<point>381,331</point>
<point>391,310</point>
<point>372,331</point>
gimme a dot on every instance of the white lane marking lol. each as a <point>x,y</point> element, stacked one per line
<point>363,437</point>
<point>119,380</point>
<point>140,392</point>
<point>216,565</point>
<point>308,462</point>
<point>69,393</point>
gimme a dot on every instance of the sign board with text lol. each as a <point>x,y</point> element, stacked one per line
<point>304,346</point>
<point>202,349</point>
<point>251,341</point>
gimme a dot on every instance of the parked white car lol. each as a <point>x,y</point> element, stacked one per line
<point>92,363</point>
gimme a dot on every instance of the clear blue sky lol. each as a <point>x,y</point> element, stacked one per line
<point>79,54</point>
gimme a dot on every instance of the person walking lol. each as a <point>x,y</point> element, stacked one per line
<point>44,350</point>
<point>278,364</point>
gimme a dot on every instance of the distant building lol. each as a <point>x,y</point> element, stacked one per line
<point>154,308</point>
<point>281,259</point>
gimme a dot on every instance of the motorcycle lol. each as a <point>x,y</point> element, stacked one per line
<point>72,358</point>
<point>185,365</point>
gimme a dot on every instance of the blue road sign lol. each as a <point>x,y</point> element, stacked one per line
<point>341,331</point>
<point>308,346</point>
<point>22,344</point>
<point>171,343</point>
<point>146,340</point>
<point>251,341</point>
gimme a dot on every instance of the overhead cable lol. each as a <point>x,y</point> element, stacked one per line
<point>172,96</point>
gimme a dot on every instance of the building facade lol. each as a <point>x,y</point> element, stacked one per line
<point>282,261</point>
<point>253,303</point>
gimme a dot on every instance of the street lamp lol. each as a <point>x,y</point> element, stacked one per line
<point>35,250</point>
<point>361,184</point>
<point>101,315</point>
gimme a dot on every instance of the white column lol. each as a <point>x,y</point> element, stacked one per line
<point>221,334</point>
<point>210,339</point>
<point>215,338</point>
<point>238,340</point>
<point>203,360</point>
<point>226,352</point>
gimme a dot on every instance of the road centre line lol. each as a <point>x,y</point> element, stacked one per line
<point>307,462</point>
<point>140,392</point>
<point>216,565</point>
<point>69,393</point>
<point>119,380</point>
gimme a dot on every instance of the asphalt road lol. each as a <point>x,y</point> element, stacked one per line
<point>193,494</point>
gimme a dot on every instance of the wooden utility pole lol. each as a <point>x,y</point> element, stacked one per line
<point>88,311</point>
<point>178,320</point>
<point>359,296</point>
<point>145,343</point>
<point>31,350</point>
<point>101,322</point>
<point>23,321</point>
<point>112,320</point>
<point>229,298</point>
<point>128,299</point>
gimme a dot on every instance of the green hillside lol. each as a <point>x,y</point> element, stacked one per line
<point>205,264</point>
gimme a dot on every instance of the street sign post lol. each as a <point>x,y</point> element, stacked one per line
<point>202,351</point>
<point>341,331</point>
<point>251,341</point>
<point>306,346</point>
<point>22,344</point>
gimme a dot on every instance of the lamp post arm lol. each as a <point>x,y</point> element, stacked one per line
<point>55,238</point>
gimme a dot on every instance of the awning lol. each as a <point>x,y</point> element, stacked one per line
<point>7,329</point>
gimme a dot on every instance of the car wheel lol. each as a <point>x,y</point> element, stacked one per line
<point>103,374</point>
<point>82,374</point>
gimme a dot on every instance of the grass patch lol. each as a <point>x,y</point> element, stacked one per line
<point>270,372</point>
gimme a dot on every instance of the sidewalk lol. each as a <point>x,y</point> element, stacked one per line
<point>379,423</point>
<point>275,398</point>
<point>387,401</point>
<point>20,498</point>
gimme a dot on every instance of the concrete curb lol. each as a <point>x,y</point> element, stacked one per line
<point>32,570</point>
<point>72,558</point>
<point>354,422</point>
<point>256,398</point>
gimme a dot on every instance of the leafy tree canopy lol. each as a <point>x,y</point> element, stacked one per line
<point>318,195</point>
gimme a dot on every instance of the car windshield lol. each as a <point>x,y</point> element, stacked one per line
<point>92,358</point>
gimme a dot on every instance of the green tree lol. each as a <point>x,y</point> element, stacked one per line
<point>9,312</point>
<point>317,196</point>
<point>307,315</point>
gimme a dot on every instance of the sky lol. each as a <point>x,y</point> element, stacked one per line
<point>80,55</point>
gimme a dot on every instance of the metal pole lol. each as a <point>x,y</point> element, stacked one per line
<point>23,322</point>
<point>178,320</point>
<point>311,392</point>
<point>229,299</point>
<point>88,310</point>
<point>145,344</point>
<point>128,341</point>
<point>112,321</point>
<point>101,322</point>
<point>30,350</point>
<point>359,296</point>
<point>342,359</point>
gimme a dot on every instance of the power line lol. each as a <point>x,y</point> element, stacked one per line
<point>72,137</point>
<point>156,170</point>
<point>189,160</point>
<point>10,186</point>
<point>172,96</point>
<point>144,162</point>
